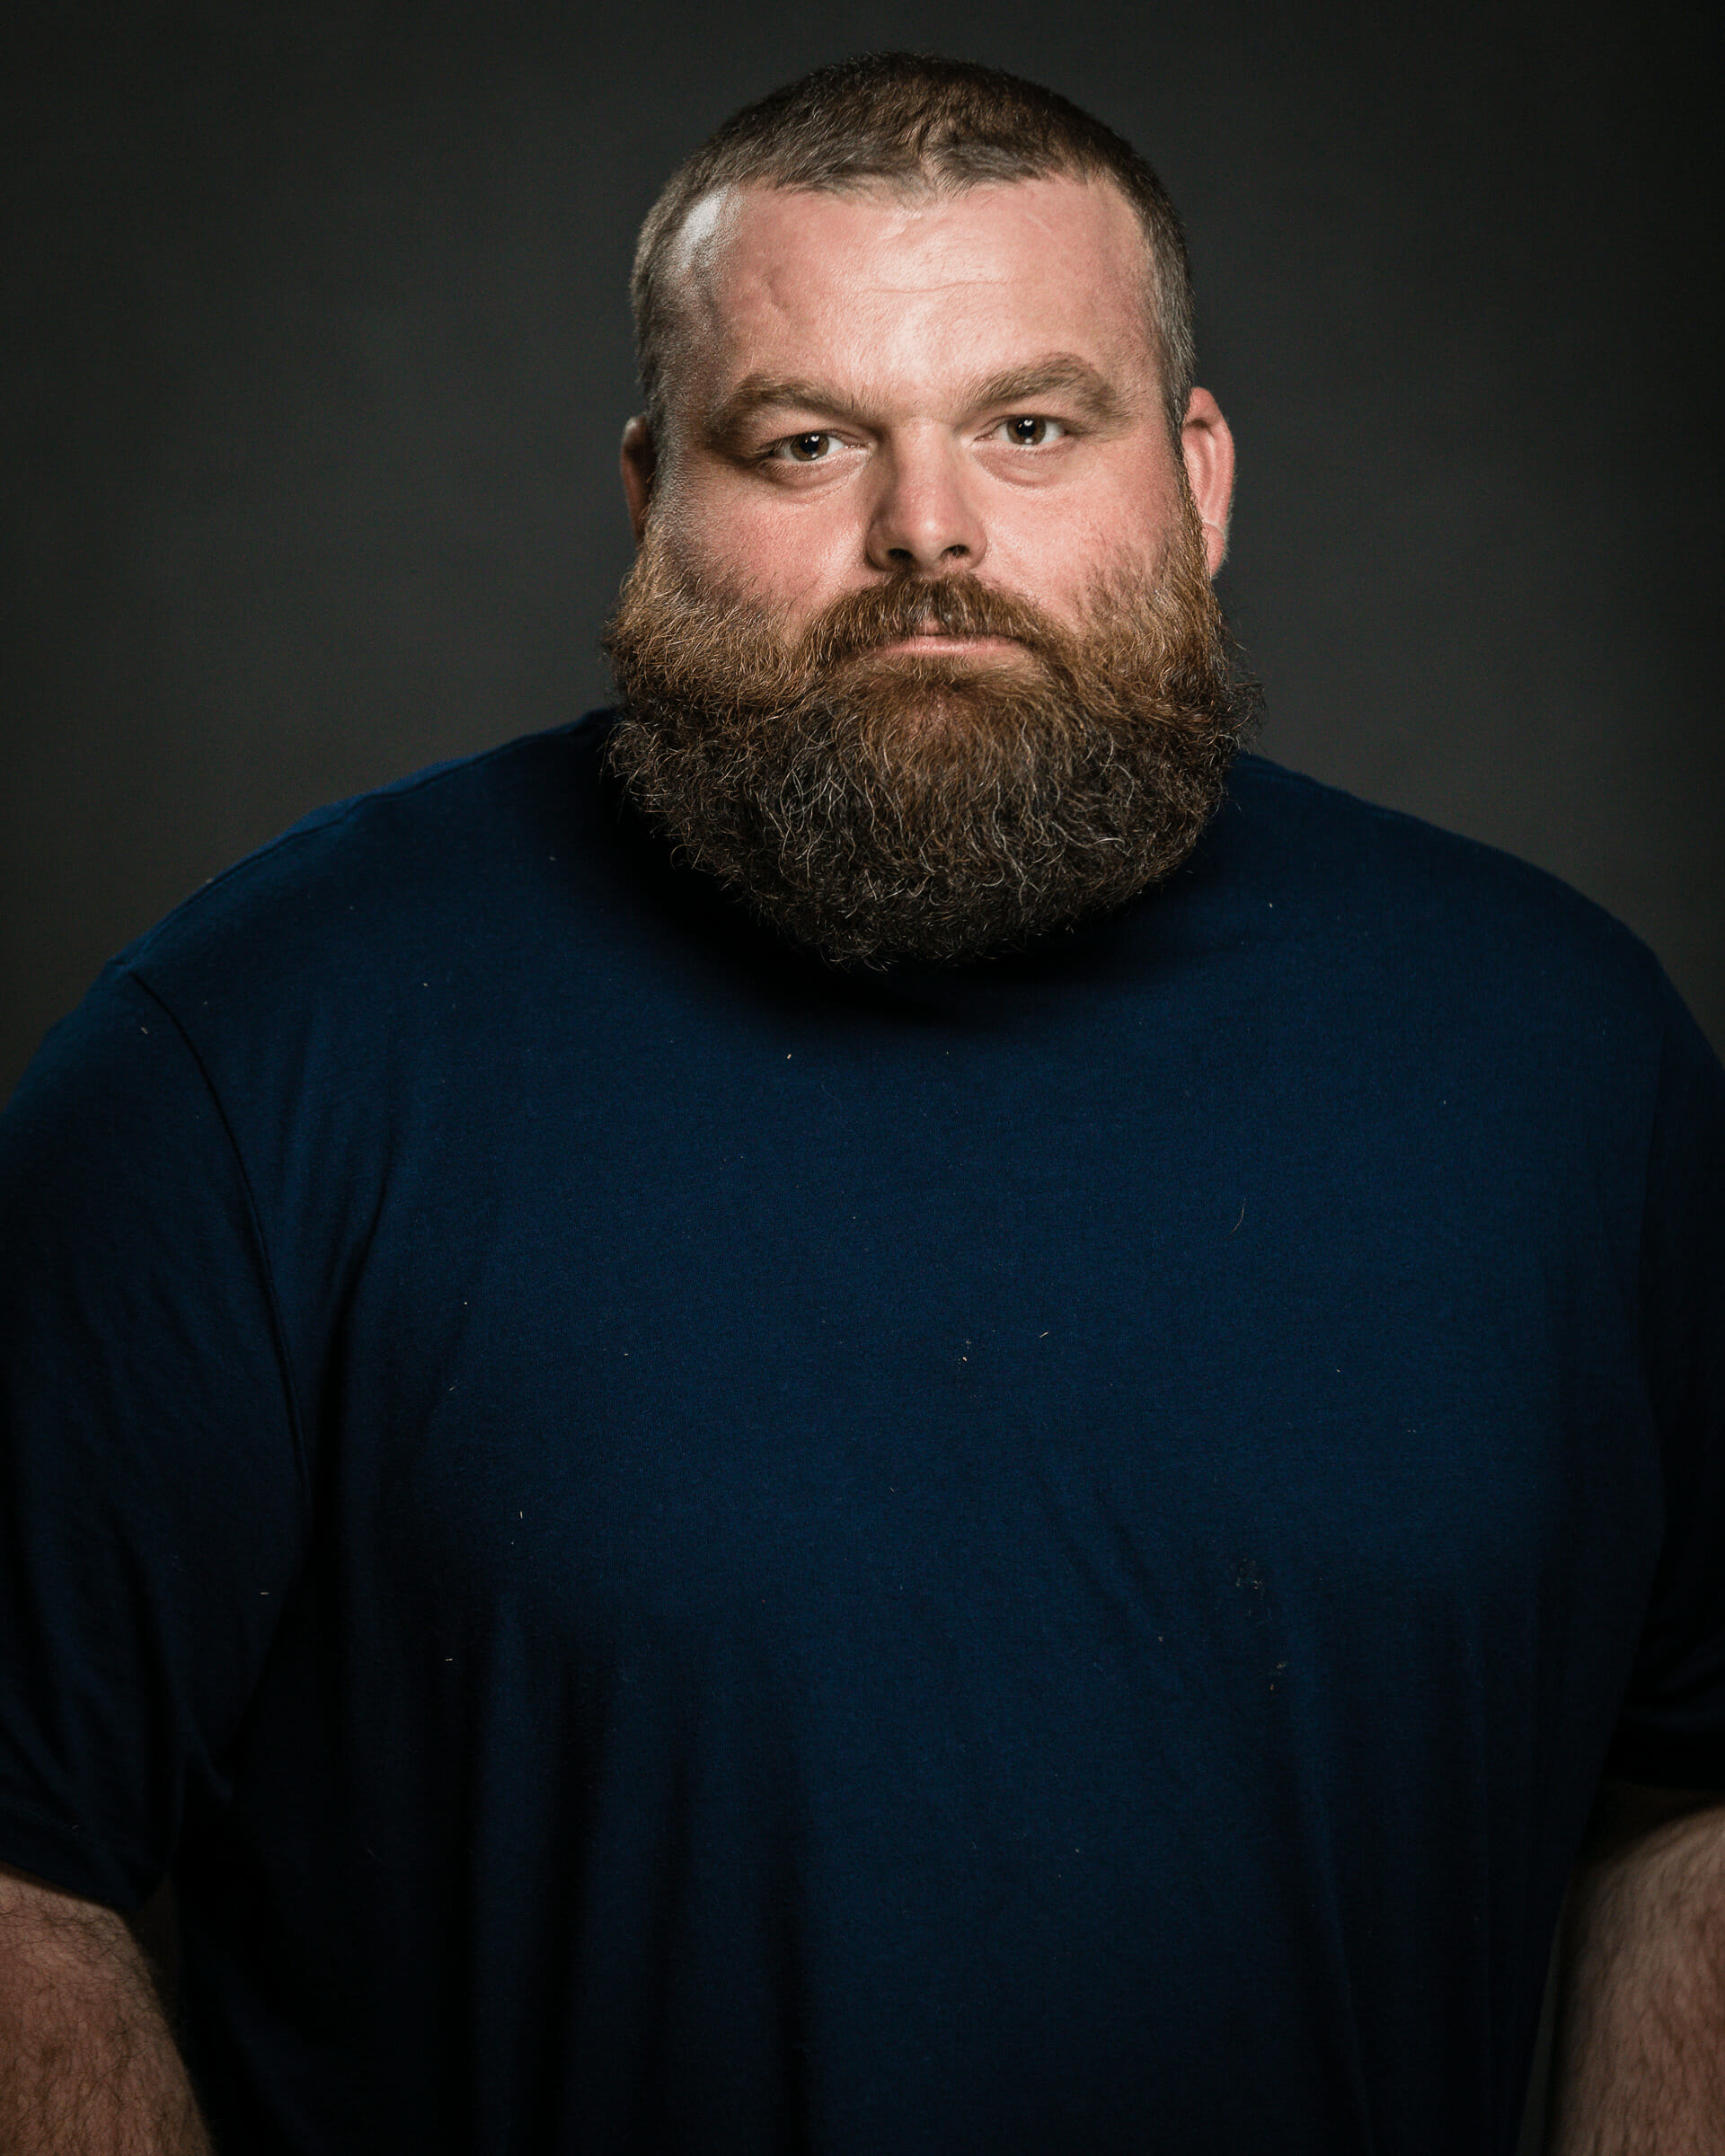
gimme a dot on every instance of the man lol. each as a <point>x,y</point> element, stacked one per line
<point>874,1413</point>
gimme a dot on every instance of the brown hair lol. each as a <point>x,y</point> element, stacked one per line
<point>913,122</point>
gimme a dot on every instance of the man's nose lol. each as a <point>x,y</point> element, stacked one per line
<point>926,516</point>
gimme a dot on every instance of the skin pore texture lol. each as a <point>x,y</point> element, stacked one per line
<point>920,655</point>
<point>909,335</point>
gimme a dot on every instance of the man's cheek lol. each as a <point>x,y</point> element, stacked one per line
<point>755,552</point>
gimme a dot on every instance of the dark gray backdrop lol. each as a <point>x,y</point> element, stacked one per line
<point>318,354</point>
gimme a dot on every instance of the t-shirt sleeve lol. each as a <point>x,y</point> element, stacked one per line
<point>152,1491</point>
<point>1672,1730</point>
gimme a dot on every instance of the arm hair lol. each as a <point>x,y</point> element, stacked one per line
<point>87,2062</point>
<point>1639,2064</point>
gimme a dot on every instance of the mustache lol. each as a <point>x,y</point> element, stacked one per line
<point>958,604</point>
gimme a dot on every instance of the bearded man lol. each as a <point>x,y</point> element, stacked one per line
<point>884,1407</point>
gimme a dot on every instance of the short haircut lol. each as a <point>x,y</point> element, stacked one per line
<point>914,124</point>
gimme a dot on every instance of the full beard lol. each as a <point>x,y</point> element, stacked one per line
<point>874,805</point>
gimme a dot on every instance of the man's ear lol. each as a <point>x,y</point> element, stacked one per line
<point>639,461</point>
<point>1206,445</point>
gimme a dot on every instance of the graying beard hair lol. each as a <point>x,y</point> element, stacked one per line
<point>923,808</point>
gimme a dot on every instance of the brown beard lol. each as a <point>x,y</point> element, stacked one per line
<point>875,805</point>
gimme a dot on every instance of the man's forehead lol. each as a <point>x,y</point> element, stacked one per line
<point>905,208</point>
<point>755,265</point>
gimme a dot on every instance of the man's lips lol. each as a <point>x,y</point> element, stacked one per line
<point>942,644</point>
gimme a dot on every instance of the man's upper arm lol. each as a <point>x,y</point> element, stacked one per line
<point>34,1912</point>
<point>1671,1735</point>
<point>151,1502</point>
<point>87,2060</point>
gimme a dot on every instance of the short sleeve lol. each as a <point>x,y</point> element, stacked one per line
<point>152,1494</point>
<point>1672,1731</point>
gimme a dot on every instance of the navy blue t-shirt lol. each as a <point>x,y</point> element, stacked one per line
<point>684,1551</point>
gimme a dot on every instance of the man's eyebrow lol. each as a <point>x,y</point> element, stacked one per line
<point>1061,374</point>
<point>776,393</point>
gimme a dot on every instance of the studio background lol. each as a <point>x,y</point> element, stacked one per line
<point>319,352</point>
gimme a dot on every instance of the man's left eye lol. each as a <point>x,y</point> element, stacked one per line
<point>1026,431</point>
<point>804,449</point>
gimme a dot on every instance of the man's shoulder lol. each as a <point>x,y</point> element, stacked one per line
<point>1395,889</point>
<point>440,902</point>
<point>1336,838</point>
<point>411,850</point>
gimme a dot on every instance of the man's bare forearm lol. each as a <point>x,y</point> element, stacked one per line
<point>1640,2064</point>
<point>87,2062</point>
